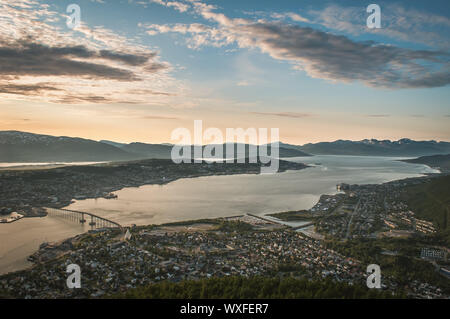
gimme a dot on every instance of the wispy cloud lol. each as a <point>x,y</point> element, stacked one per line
<point>295,115</point>
<point>40,59</point>
<point>155,117</point>
<point>290,15</point>
<point>26,89</point>
<point>177,5</point>
<point>378,115</point>
<point>400,23</point>
<point>32,59</point>
<point>243,83</point>
<point>320,54</point>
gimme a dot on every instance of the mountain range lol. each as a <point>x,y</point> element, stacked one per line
<point>373,147</point>
<point>26,147</point>
<point>16,146</point>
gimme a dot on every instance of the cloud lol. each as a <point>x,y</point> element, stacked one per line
<point>378,115</point>
<point>179,6</point>
<point>290,15</point>
<point>319,54</point>
<point>151,92</point>
<point>23,89</point>
<point>243,83</point>
<point>34,59</point>
<point>74,99</point>
<point>40,60</point>
<point>284,114</point>
<point>397,22</point>
<point>131,59</point>
<point>155,117</point>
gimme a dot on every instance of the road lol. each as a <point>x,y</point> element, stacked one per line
<point>351,218</point>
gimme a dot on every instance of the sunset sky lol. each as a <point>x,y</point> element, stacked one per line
<point>134,70</point>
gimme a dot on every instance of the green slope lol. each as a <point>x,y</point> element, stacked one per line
<point>441,162</point>
<point>431,201</point>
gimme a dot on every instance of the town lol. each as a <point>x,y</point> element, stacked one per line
<point>248,245</point>
<point>237,246</point>
<point>245,246</point>
<point>378,215</point>
<point>370,211</point>
<point>23,191</point>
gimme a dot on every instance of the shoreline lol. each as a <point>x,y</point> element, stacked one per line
<point>24,264</point>
<point>220,174</point>
<point>60,186</point>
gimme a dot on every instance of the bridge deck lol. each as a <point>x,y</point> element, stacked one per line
<point>103,221</point>
<point>304,225</point>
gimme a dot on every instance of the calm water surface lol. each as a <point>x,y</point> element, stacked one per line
<point>207,197</point>
<point>219,196</point>
<point>22,238</point>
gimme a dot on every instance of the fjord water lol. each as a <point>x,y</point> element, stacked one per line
<point>22,238</point>
<point>207,197</point>
<point>220,196</point>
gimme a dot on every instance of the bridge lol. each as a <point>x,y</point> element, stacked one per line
<point>303,226</point>
<point>95,221</point>
<point>280,222</point>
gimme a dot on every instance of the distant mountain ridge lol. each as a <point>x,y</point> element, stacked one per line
<point>373,147</point>
<point>25,147</point>
<point>16,146</point>
<point>164,150</point>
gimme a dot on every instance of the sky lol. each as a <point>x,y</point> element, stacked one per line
<point>135,70</point>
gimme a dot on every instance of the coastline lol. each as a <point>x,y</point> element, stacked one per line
<point>213,238</point>
<point>23,264</point>
<point>202,175</point>
<point>60,186</point>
